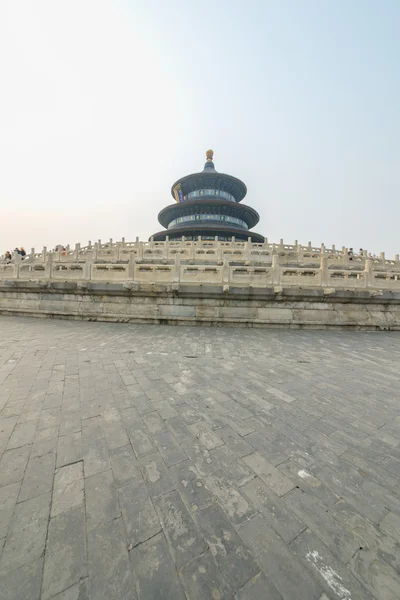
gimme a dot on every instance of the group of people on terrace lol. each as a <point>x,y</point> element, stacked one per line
<point>350,253</point>
<point>8,256</point>
<point>21,251</point>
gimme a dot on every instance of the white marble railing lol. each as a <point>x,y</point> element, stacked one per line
<point>204,251</point>
<point>244,266</point>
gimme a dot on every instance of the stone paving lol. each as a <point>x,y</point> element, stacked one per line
<point>152,462</point>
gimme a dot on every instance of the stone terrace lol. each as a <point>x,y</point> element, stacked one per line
<point>151,462</point>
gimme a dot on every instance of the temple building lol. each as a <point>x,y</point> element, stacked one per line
<point>207,206</point>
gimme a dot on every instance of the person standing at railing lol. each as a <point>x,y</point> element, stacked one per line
<point>59,248</point>
<point>7,255</point>
<point>22,252</point>
<point>350,254</point>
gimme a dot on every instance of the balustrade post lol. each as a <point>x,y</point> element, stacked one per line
<point>96,251</point>
<point>123,241</point>
<point>32,255</point>
<point>118,244</point>
<point>49,265</point>
<point>87,267</point>
<point>77,250</point>
<point>17,259</point>
<point>247,249</point>
<point>368,273</point>
<point>166,248</point>
<point>281,245</point>
<point>141,250</point>
<point>44,253</point>
<point>177,269</point>
<point>89,244</point>
<point>276,270</point>
<point>396,258</point>
<point>382,259</point>
<point>131,266</point>
<point>226,271</point>
<point>309,246</point>
<point>298,250</point>
<point>322,248</point>
<point>323,271</point>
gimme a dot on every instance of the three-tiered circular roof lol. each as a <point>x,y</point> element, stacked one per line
<point>207,205</point>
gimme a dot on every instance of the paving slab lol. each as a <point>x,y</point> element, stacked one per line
<point>202,579</point>
<point>38,477</point>
<point>68,489</point>
<point>138,512</point>
<point>13,464</point>
<point>191,486</point>
<point>101,499</point>
<point>155,572</point>
<point>124,465</point>
<point>65,560</point>
<point>231,555</point>
<point>283,520</point>
<point>110,573</point>
<point>8,498</point>
<point>183,536</point>
<point>332,575</point>
<point>259,587</point>
<point>156,475</point>
<point>23,583</point>
<point>278,561</point>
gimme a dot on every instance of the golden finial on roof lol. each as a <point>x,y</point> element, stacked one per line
<point>209,154</point>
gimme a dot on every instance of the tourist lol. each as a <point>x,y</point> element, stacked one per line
<point>350,253</point>
<point>7,255</point>
<point>22,252</point>
<point>61,249</point>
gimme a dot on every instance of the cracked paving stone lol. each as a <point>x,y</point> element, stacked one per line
<point>202,579</point>
<point>230,554</point>
<point>155,572</point>
<point>181,531</point>
<point>138,512</point>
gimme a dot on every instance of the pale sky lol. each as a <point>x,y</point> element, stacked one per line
<point>104,104</point>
